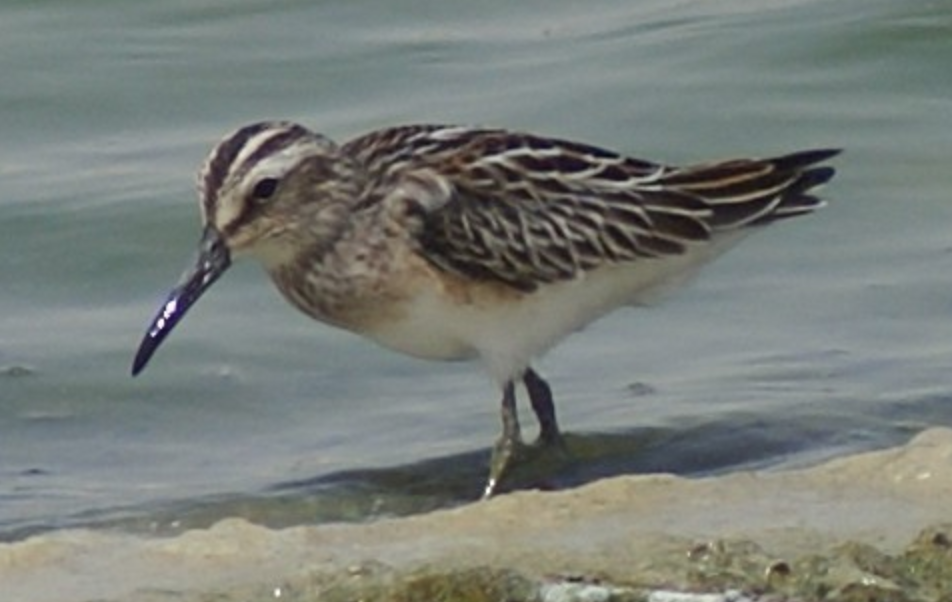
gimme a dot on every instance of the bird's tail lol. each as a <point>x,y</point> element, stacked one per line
<point>753,192</point>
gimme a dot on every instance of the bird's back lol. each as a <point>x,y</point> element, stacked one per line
<point>528,211</point>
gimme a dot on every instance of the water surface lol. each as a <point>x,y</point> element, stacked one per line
<point>822,336</point>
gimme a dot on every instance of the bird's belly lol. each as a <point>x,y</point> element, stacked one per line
<point>424,335</point>
<point>417,326</point>
<point>508,331</point>
<point>444,317</point>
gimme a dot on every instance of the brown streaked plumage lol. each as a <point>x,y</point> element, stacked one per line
<point>449,243</point>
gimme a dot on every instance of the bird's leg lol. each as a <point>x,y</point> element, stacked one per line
<point>509,442</point>
<point>540,394</point>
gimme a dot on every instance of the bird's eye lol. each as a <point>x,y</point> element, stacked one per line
<point>265,188</point>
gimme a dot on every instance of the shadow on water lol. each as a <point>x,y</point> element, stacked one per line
<point>693,448</point>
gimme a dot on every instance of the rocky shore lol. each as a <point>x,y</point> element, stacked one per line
<point>875,526</point>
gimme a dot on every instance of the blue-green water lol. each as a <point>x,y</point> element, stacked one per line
<point>822,336</point>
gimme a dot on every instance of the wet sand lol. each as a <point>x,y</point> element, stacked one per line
<point>854,519</point>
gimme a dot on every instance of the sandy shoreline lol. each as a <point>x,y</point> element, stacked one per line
<point>652,531</point>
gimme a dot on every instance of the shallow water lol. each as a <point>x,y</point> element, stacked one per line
<point>822,336</point>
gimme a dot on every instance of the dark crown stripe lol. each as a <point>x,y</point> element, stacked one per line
<point>217,168</point>
<point>279,140</point>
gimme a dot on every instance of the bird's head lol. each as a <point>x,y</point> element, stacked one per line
<point>271,190</point>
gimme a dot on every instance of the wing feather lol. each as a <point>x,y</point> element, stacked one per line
<point>526,211</point>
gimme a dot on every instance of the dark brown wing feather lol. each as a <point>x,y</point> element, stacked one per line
<point>527,210</point>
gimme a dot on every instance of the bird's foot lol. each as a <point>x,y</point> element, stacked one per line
<point>506,452</point>
<point>551,441</point>
<point>543,456</point>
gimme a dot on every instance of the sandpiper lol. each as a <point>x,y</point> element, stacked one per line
<point>452,243</point>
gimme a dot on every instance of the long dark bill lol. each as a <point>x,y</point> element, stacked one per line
<point>213,259</point>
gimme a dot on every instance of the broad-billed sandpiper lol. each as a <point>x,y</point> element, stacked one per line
<point>453,243</point>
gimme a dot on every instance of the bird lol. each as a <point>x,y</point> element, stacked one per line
<point>450,242</point>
